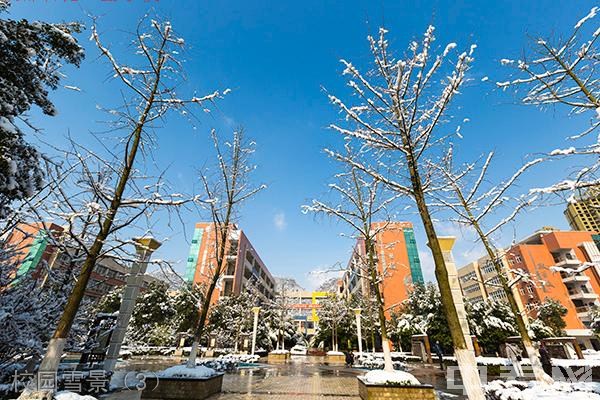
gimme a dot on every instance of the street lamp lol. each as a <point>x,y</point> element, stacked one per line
<point>255,310</point>
<point>357,312</point>
<point>144,247</point>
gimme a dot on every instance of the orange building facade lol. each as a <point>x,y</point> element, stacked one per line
<point>397,261</point>
<point>564,266</point>
<point>32,247</point>
<point>36,251</point>
<point>242,265</point>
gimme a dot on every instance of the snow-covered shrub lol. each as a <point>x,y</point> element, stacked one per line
<point>228,362</point>
<point>157,317</point>
<point>492,322</point>
<point>422,312</point>
<point>550,319</point>
<point>29,312</point>
<point>375,361</point>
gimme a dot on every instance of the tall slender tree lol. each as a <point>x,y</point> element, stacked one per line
<point>360,201</point>
<point>149,97</point>
<point>401,105</point>
<point>227,188</point>
<point>478,204</point>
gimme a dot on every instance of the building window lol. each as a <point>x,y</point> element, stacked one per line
<point>488,268</point>
<point>518,259</point>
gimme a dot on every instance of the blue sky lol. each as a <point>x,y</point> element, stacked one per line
<point>276,57</point>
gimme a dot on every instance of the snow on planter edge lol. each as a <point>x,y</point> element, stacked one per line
<point>379,377</point>
<point>181,371</point>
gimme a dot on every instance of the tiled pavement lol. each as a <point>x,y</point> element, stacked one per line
<point>298,380</point>
<point>304,378</point>
<point>289,387</point>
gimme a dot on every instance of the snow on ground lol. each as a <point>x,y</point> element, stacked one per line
<point>384,377</point>
<point>238,358</point>
<point>335,353</point>
<point>181,371</point>
<point>517,390</point>
<point>71,396</point>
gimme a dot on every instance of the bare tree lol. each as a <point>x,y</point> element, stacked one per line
<point>563,72</point>
<point>148,98</point>
<point>226,190</point>
<point>476,203</point>
<point>400,106</point>
<point>362,200</point>
<point>334,313</point>
<point>280,306</point>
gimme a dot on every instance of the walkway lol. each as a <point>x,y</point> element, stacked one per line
<point>303,378</point>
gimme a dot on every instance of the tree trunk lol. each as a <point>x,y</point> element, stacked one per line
<point>199,331</point>
<point>373,340</point>
<point>370,248</point>
<point>220,256</point>
<point>191,362</point>
<point>532,353</point>
<point>464,357</point>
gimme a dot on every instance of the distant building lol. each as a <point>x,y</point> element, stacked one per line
<point>242,264</point>
<point>304,306</point>
<point>35,253</point>
<point>556,261</point>
<point>397,261</point>
<point>584,213</point>
<point>480,282</point>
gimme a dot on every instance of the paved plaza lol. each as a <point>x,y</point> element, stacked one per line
<point>302,378</point>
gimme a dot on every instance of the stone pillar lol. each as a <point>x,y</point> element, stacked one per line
<point>144,248</point>
<point>357,312</point>
<point>446,243</point>
<point>255,310</point>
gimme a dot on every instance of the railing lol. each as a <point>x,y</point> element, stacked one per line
<point>575,278</point>
<point>583,309</point>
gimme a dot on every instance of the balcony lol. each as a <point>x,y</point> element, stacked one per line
<point>576,278</point>
<point>583,296</point>
<point>583,311</point>
<point>567,263</point>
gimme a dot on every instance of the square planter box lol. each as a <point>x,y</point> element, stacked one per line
<point>335,359</point>
<point>369,391</point>
<point>275,358</point>
<point>182,388</point>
